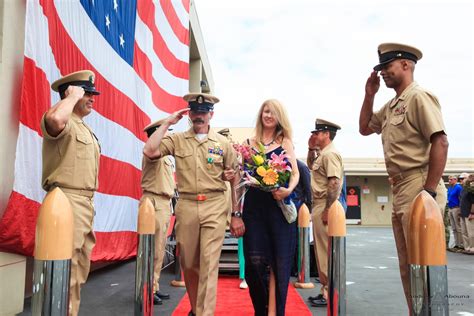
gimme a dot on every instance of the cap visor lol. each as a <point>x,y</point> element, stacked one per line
<point>94,92</point>
<point>90,90</point>
<point>382,65</point>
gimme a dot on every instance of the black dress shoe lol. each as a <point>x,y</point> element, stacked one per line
<point>313,298</point>
<point>319,303</point>
<point>191,313</point>
<point>157,300</point>
<point>163,296</point>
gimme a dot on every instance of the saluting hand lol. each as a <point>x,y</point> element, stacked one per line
<point>312,141</point>
<point>177,116</point>
<point>74,91</point>
<point>373,83</point>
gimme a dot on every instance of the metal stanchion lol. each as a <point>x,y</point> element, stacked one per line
<point>337,260</point>
<point>427,257</point>
<point>145,257</point>
<point>53,252</point>
<point>304,223</point>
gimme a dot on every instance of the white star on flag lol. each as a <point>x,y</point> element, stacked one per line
<point>122,41</point>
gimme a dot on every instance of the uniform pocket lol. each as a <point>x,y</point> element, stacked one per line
<point>84,146</point>
<point>184,160</point>
<point>397,119</point>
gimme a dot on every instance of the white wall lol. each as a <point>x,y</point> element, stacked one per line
<point>12,30</point>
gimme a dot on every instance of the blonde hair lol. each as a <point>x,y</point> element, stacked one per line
<point>283,129</point>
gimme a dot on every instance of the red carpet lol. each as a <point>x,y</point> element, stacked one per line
<point>233,301</point>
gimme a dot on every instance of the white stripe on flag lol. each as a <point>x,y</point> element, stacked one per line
<point>115,213</point>
<point>29,164</point>
<point>144,38</point>
<point>181,12</point>
<point>178,49</point>
<point>115,141</point>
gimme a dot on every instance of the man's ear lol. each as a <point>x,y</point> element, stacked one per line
<point>211,113</point>
<point>405,64</point>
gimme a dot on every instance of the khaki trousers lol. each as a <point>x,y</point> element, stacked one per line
<point>455,220</point>
<point>320,235</point>
<point>404,192</point>
<point>162,205</point>
<point>200,229</point>
<point>467,229</point>
<point>84,241</point>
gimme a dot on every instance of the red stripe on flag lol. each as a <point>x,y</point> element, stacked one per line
<point>119,178</point>
<point>114,246</point>
<point>179,30</point>
<point>36,97</point>
<point>166,102</point>
<point>112,103</point>
<point>186,4</point>
<point>178,68</point>
<point>18,225</point>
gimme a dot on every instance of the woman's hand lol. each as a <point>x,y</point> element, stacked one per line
<point>228,174</point>
<point>237,227</point>
<point>281,193</point>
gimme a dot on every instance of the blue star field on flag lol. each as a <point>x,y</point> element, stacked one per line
<point>115,20</point>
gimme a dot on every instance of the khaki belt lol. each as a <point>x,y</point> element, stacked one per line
<point>87,193</point>
<point>403,175</point>
<point>200,196</point>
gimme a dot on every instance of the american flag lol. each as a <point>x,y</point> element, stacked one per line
<point>139,51</point>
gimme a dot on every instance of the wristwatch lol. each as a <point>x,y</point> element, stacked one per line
<point>432,193</point>
<point>237,214</point>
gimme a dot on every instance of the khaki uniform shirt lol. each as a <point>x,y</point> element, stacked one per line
<point>406,124</point>
<point>71,159</point>
<point>199,163</point>
<point>327,165</point>
<point>157,176</point>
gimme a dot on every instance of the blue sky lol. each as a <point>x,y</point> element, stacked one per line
<point>315,57</point>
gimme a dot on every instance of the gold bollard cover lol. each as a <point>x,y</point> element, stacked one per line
<point>54,228</point>
<point>146,218</point>
<point>304,217</point>
<point>426,239</point>
<point>336,220</point>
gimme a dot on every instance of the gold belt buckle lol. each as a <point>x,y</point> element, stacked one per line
<point>201,197</point>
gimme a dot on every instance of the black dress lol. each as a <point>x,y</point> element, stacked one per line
<point>269,243</point>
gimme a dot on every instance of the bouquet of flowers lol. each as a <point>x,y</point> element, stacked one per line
<point>266,174</point>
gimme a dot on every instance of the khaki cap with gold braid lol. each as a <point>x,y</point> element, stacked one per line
<point>388,52</point>
<point>323,125</point>
<point>201,102</point>
<point>83,78</point>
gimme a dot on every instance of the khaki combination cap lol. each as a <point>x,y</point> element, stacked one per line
<point>323,125</point>
<point>201,102</point>
<point>388,52</point>
<point>83,78</point>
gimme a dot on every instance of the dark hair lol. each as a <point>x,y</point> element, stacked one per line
<point>332,135</point>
